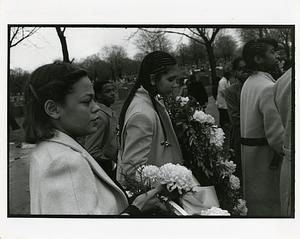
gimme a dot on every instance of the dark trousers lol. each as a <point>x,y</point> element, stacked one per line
<point>224,118</point>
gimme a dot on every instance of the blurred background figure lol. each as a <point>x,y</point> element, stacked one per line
<point>224,83</point>
<point>183,90</point>
<point>233,98</point>
<point>283,102</point>
<point>103,144</point>
<point>197,90</point>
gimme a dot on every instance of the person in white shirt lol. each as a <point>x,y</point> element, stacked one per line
<point>224,83</point>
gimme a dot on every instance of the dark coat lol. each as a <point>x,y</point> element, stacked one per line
<point>233,98</point>
<point>197,90</point>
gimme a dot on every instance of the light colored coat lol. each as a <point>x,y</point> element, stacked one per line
<point>283,101</point>
<point>260,119</point>
<point>65,179</point>
<point>142,135</point>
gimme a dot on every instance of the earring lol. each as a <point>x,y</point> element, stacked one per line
<point>165,143</point>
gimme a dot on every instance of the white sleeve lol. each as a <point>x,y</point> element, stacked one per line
<point>272,123</point>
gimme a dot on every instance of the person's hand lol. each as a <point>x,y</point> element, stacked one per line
<point>149,200</point>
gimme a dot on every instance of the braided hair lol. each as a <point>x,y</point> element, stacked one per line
<point>257,47</point>
<point>153,66</point>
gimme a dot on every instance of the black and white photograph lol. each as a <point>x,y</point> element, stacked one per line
<point>190,124</point>
<point>157,122</point>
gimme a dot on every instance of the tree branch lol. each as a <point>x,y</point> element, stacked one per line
<point>191,30</point>
<point>202,34</point>
<point>14,35</point>
<point>132,35</point>
<point>24,36</point>
<point>214,34</point>
<point>175,32</point>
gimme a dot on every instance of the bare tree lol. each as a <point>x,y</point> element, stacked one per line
<point>61,34</point>
<point>203,36</point>
<point>115,56</point>
<point>191,54</point>
<point>148,42</point>
<point>182,54</point>
<point>19,34</point>
<point>226,48</point>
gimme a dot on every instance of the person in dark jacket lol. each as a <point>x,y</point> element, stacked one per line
<point>197,90</point>
<point>103,144</point>
<point>232,98</point>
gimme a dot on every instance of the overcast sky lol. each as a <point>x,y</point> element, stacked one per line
<point>43,47</point>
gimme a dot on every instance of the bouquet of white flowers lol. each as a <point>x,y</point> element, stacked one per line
<point>204,152</point>
<point>182,194</point>
<point>214,211</point>
<point>177,180</point>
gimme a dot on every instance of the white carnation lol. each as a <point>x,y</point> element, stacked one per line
<point>217,136</point>
<point>215,211</point>
<point>230,165</point>
<point>183,100</point>
<point>230,168</point>
<point>147,174</point>
<point>234,182</point>
<point>241,207</point>
<point>176,177</point>
<point>201,117</point>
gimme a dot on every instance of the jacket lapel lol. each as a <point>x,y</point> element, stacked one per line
<point>162,111</point>
<point>66,140</point>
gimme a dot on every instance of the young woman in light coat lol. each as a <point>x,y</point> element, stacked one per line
<point>64,177</point>
<point>147,135</point>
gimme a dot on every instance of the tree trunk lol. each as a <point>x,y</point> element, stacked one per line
<point>63,43</point>
<point>183,59</point>
<point>212,63</point>
<point>287,52</point>
<point>261,34</point>
<point>287,47</point>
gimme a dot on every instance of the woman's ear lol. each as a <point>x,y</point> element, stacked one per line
<point>52,109</point>
<point>152,79</point>
<point>258,59</point>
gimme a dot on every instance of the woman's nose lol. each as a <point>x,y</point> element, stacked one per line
<point>175,84</point>
<point>95,107</point>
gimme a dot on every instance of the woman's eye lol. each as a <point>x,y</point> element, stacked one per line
<point>87,101</point>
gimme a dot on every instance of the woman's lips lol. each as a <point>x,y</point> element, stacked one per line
<point>96,120</point>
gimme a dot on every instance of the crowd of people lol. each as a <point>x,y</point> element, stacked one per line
<point>83,151</point>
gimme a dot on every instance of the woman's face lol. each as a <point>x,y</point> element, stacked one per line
<point>167,81</point>
<point>78,115</point>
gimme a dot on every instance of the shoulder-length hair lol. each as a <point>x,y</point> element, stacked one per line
<point>51,81</point>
